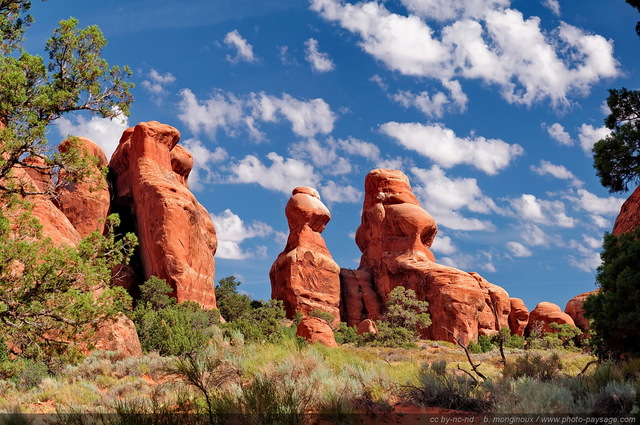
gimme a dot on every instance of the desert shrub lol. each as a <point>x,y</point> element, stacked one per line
<point>405,317</point>
<point>25,373</point>
<point>168,327</point>
<point>327,317</point>
<point>529,395</point>
<point>615,399</point>
<point>231,304</point>
<point>441,388</point>
<point>562,337</point>
<point>533,366</point>
<point>266,322</point>
<point>345,334</point>
<point>483,345</point>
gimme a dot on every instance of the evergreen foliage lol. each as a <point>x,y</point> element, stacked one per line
<point>231,304</point>
<point>168,327</point>
<point>617,156</point>
<point>615,310</point>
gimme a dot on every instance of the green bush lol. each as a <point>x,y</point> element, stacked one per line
<point>615,399</point>
<point>533,366</point>
<point>440,388</point>
<point>403,321</point>
<point>170,328</point>
<point>231,304</point>
<point>346,334</point>
<point>264,323</point>
<point>483,345</point>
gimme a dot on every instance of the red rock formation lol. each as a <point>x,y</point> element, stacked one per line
<point>546,313</point>
<point>629,218</point>
<point>118,335</point>
<point>177,238</point>
<point>367,326</point>
<point>85,203</point>
<point>575,310</point>
<point>304,276</point>
<point>359,299</point>
<point>518,317</point>
<point>395,236</point>
<point>314,329</point>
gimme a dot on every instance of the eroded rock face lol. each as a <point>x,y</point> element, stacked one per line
<point>304,276</point>
<point>177,239</point>
<point>629,218</point>
<point>314,329</point>
<point>394,236</point>
<point>359,299</point>
<point>86,203</point>
<point>119,335</point>
<point>575,310</point>
<point>546,313</point>
<point>367,326</point>
<point>518,317</point>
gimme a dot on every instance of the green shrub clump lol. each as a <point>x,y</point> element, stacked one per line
<point>168,327</point>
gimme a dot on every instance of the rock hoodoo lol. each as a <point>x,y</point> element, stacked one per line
<point>177,239</point>
<point>518,317</point>
<point>576,312</point>
<point>314,329</point>
<point>629,218</point>
<point>546,313</point>
<point>395,236</point>
<point>304,276</point>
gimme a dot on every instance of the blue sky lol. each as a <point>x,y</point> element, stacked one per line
<point>490,107</point>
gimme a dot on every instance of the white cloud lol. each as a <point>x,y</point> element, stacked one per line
<point>432,105</point>
<point>535,236</point>
<point>589,135</point>
<point>442,197</point>
<point>596,205</point>
<point>518,250</point>
<point>203,160</point>
<point>321,156</point>
<point>105,132</point>
<point>244,50</point>
<point>334,193</point>
<point>558,133</point>
<point>489,42</point>
<point>445,10</point>
<point>553,6</point>
<point>156,84</point>
<point>231,231</point>
<point>443,244</point>
<point>354,146</point>
<point>557,171</point>
<point>282,175</point>
<point>307,118</point>
<point>230,113</point>
<point>320,62</point>
<point>441,145</point>
<point>529,208</point>
<point>587,259</point>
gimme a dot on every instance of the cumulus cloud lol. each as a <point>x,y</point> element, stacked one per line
<point>203,161</point>
<point>320,62</point>
<point>333,193</point>
<point>587,258</point>
<point>593,204</point>
<point>105,132</point>
<point>558,133</point>
<point>441,145</point>
<point>322,156</point>
<point>443,244</point>
<point>557,171</point>
<point>283,174</point>
<point>358,147</point>
<point>589,135</point>
<point>552,5</point>
<point>231,231</point>
<point>231,113</point>
<point>156,84</point>
<point>432,105</point>
<point>486,40</point>
<point>518,250</point>
<point>533,235</point>
<point>243,50</point>
<point>529,208</point>
<point>443,197</point>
